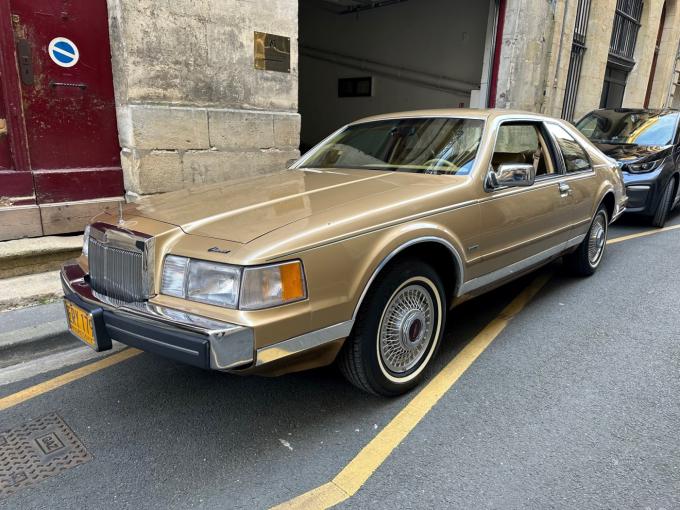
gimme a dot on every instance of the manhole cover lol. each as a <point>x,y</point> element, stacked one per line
<point>37,450</point>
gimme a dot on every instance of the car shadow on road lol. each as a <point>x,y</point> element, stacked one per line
<point>632,223</point>
<point>217,411</point>
<point>178,430</point>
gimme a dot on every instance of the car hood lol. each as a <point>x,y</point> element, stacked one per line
<point>246,209</point>
<point>634,153</point>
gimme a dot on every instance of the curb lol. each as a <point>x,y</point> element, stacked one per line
<point>34,342</point>
<point>32,289</point>
<point>28,256</point>
<point>37,333</point>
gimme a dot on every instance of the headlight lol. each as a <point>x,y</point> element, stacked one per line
<point>231,286</point>
<point>268,286</point>
<point>86,240</point>
<point>214,284</point>
<point>641,168</point>
<point>174,276</point>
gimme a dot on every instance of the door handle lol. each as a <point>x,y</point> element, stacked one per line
<point>3,127</point>
<point>565,189</point>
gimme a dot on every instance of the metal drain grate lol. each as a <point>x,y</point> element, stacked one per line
<point>37,450</point>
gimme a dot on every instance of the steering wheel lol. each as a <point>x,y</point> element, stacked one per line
<point>439,163</point>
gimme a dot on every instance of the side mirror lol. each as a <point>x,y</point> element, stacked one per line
<point>511,175</point>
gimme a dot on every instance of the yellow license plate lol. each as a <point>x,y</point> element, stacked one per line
<point>80,323</point>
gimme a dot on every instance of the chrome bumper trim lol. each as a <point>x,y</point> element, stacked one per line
<point>231,345</point>
<point>304,342</point>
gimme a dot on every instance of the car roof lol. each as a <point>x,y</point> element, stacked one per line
<point>465,113</point>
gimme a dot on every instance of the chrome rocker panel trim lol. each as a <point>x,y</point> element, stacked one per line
<point>520,266</point>
<point>304,342</point>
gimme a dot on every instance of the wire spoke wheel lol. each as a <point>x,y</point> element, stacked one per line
<point>406,329</point>
<point>597,239</point>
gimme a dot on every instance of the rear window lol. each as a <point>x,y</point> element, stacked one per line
<point>575,157</point>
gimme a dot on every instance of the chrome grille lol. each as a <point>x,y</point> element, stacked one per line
<point>116,271</point>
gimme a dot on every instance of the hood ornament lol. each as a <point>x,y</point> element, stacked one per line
<point>120,213</point>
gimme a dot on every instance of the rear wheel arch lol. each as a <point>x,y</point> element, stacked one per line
<point>609,201</point>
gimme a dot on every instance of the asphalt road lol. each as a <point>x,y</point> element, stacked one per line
<point>576,404</point>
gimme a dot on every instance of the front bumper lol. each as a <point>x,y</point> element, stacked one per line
<point>644,190</point>
<point>191,339</point>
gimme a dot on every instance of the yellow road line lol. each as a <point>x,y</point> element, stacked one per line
<point>354,475</point>
<point>642,234</point>
<point>78,373</point>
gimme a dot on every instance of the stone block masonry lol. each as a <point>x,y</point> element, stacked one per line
<point>169,148</point>
<point>191,106</point>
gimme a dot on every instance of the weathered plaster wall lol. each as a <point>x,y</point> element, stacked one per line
<point>664,78</point>
<point>595,58</point>
<point>638,79</point>
<point>559,57</point>
<point>525,53</point>
<point>191,106</point>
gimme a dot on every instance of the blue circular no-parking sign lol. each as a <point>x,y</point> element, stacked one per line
<point>63,52</point>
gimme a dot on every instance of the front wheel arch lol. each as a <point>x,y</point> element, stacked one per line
<point>437,252</point>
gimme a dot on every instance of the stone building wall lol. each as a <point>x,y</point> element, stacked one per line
<point>558,58</point>
<point>526,47</point>
<point>536,51</point>
<point>664,87</point>
<point>638,79</point>
<point>191,106</point>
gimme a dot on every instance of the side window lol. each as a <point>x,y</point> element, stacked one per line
<point>522,143</point>
<point>575,157</point>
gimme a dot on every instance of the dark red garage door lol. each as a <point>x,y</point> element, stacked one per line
<point>59,156</point>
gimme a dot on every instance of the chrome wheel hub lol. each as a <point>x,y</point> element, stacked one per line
<point>597,239</point>
<point>406,328</point>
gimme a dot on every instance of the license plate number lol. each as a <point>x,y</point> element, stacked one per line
<point>80,323</point>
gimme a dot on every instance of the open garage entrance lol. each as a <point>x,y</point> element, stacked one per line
<point>363,57</point>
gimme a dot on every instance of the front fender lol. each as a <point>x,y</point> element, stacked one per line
<point>390,243</point>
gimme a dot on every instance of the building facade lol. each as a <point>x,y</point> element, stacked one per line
<point>102,100</point>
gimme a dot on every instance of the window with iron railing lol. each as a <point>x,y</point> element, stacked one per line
<point>578,49</point>
<point>625,32</point>
<point>621,52</point>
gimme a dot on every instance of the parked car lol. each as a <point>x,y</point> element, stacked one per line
<point>646,143</point>
<point>354,254</point>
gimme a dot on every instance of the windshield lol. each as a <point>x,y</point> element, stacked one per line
<point>630,128</point>
<point>417,145</point>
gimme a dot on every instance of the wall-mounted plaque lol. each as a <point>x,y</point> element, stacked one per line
<point>272,52</point>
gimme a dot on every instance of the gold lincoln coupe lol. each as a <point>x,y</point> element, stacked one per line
<point>352,255</point>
